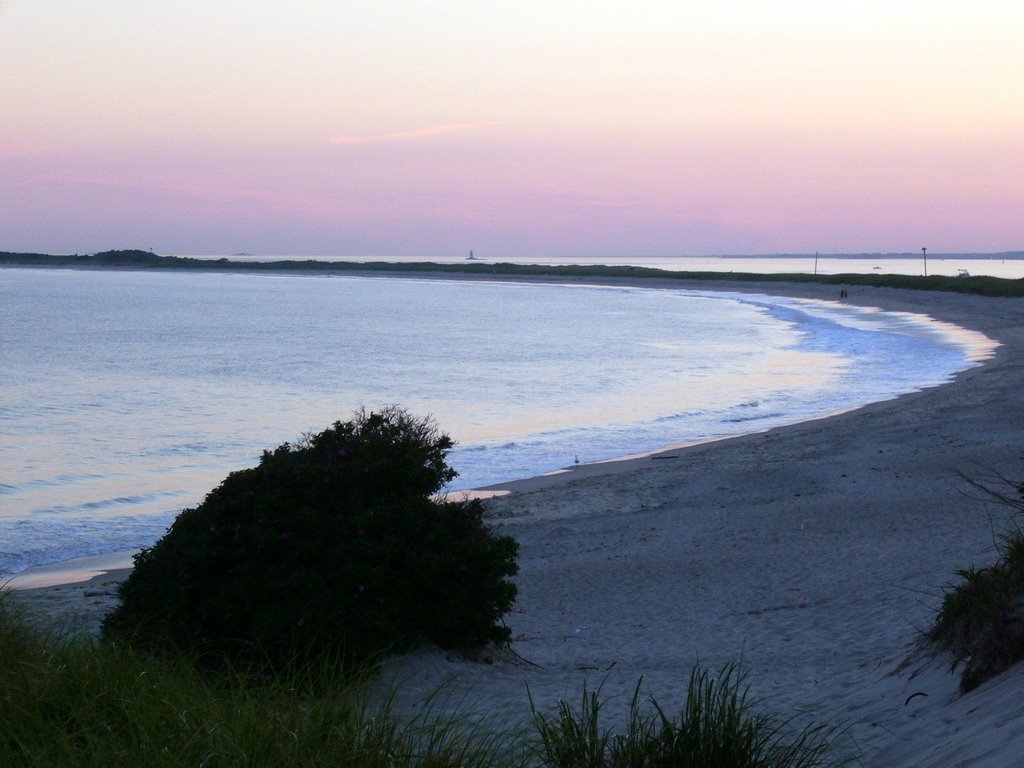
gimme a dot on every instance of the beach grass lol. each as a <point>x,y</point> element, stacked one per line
<point>72,699</point>
<point>981,619</point>
<point>76,701</point>
<point>716,727</point>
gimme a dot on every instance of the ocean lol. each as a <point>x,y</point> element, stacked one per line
<point>127,395</point>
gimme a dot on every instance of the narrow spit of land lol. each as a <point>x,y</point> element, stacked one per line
<point>135,259</point>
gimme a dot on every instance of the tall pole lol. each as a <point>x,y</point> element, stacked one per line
<point>924,252</point>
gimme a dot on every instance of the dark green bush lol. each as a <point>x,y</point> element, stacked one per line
<point>332,546</point>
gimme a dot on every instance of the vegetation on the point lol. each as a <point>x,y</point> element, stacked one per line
<point>977,284</point>
<point>334,545</point>
<point>981,620</point>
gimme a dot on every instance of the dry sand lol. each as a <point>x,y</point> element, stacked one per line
<point>76,607</point>
<point>815,554</point>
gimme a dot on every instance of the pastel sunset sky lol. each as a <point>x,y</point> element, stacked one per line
<point>518,128</point>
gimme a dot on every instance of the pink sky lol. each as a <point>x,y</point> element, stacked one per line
<point>583,129</point>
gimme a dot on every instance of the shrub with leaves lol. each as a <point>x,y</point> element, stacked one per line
<point>333,546</point>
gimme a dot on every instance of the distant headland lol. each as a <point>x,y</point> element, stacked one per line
<point>138,259</point>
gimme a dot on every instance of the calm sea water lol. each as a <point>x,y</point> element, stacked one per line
<point>126,396</point>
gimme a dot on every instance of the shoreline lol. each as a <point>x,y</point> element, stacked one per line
<point>814,553</point>
<point>72,571</point>
<point>892,303</point>
<point>84,568</point>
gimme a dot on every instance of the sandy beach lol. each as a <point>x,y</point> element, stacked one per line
<point>814,554</point>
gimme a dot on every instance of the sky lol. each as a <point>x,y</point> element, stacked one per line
<point>592,128</point>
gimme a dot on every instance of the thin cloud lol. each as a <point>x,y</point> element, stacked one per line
<point>416,133</point>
